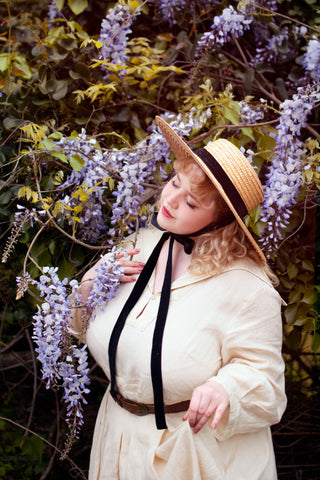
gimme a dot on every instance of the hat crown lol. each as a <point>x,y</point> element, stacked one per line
<point>239,170</point>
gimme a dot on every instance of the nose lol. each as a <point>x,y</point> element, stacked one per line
<point>172,199</point>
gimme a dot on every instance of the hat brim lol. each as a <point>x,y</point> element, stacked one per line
<point>181,149</point>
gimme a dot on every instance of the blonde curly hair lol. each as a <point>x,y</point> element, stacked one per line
<point>216,250</point>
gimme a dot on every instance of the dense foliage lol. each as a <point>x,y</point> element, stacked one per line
<point>82,162</point>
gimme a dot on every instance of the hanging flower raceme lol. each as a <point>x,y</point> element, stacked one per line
<point>137,166</point>
<point>230,23</point>
<point>249,113</point>
<point>284,177</point>
<point>93,178</point>
<point>115,29</point>
<point>311,59</point>
<point>65,363</point>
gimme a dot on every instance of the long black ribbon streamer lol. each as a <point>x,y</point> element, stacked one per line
<point>134,296</point>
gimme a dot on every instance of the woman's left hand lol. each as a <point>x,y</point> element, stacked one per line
<point>207,399</point>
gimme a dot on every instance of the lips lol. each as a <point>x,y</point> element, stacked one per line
<point>166,212</point>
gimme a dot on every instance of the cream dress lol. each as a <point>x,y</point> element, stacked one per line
<point>225,327</point>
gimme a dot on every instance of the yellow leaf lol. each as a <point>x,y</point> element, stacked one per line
<point>134,5</point>
<point>35,197</point>
<point>21,192</point>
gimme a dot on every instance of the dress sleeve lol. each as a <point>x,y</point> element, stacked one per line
<point>253,368</point>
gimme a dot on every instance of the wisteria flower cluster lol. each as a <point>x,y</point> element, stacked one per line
<point>311,59</point>
<point>22,216</point>
<point>93,175</point>
<point>106,282</point>
<point>284,177</point>
<point>63,362</point>
<point>272,49</point>
<point>250,114</point>
<point>114,33</point>
<point>140,163</point>
<point>230,23</point>
<point>53,11</point>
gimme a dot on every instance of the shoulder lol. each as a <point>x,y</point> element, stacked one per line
<point>245,279</point>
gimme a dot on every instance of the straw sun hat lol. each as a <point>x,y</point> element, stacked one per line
<point>229,171</point>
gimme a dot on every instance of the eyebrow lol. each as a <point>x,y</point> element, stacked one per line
<point>189,193</point>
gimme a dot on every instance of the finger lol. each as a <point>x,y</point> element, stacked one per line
<point>127,279</point>
<point>131,263</point>
<point>131,270</point>
<point>127,253</point>
<point>218,415</point>
<point>202,421</point>
<point>192,412</point>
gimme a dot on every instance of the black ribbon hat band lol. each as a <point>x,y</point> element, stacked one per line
<point>221,176</point>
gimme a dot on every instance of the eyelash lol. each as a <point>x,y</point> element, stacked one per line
<point>189,204</point>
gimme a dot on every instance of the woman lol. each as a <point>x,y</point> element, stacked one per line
<point>192,345</point>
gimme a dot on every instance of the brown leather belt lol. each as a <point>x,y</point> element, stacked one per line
<point>145,408</point>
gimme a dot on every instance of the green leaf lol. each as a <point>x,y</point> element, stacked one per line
<point>77,6</point>
<point>292,270</point>
<point>61,156</point>
<point>76,162</point>
<point>61,89</point>
<point>47,144</point>
<point>307,265</point>
<point>266,145</point>
<point>59,4</point>
<point>231,115</point>
<point>248,132</point>
<point>56,135</point>
<point>9,123</point>
<point>315,342</point>
<point>21,67</point>
<point>290,314</point>
<point>4,61</point>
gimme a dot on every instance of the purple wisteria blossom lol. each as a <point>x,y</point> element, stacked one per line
<point>106,283</point>
<point>273,49</point>
<point>22,216</point>
<point>74,371</point>
<point>51,323</point>
<point>64,362</point>
<point>311,59</point>
<point>53,11</point>
<point>93,177</point>
<point>229,23</point>
<point>115,29</point>
<point>249,113</point>
<point>284,177</point>
<point>140,163</point>
<point>61,362</point>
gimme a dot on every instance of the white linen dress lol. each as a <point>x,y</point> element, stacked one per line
<point>225,327</point>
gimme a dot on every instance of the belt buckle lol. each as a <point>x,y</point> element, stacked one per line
<point>139,409</point>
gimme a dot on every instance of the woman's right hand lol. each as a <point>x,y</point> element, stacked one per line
<point>130,267</point>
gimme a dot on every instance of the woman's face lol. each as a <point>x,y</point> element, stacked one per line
<point>180,211</point>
